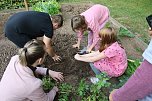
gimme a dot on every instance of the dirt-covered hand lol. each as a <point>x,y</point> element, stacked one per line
<point>56,75</point>
<point>56,58</point>
<point>76,46</point>
<point>55,88</point>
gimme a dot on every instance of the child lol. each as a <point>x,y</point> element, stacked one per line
<point>92,20</point>
<point>111,57</point>
<point>139,84</point>
<point>19,82</point>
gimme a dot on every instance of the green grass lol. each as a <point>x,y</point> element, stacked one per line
<point>130,13</point>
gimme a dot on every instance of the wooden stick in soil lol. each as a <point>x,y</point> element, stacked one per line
<point>26,5</point>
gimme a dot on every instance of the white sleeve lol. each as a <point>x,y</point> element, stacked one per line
<point>41,70</point>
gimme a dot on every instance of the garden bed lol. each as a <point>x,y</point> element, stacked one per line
<point>63,40</point>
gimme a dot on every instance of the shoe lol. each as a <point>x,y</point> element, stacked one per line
<point>94,80</point>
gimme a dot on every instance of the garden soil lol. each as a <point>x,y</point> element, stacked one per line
<point>63,40</point>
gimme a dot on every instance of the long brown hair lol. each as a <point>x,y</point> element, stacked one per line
<point>78,22</point>
<point>108,36</point>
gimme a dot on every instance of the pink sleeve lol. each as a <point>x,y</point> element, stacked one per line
<point>39,95</point>
<point>80,35</point>
<point>110,51</point>
<point>96,38</point>
<point>96,31</point>
<point>41,70</point>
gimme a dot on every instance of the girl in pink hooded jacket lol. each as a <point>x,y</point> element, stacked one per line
<point>92,20</point>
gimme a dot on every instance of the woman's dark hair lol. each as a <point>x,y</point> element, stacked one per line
<point>32,51</point>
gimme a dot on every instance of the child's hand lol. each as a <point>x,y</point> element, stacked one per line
<point>76,46</point>
<point>56,58</point>
<point>56,75</point>
<point>77,56</point>
<point>89,50</point>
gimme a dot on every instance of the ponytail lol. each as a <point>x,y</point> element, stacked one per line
<point>32,51</point>
<point>22,56</point>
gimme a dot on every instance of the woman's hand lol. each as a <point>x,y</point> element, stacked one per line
<point>56,75</point>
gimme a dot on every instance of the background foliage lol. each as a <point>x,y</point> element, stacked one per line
<point>51,7</point>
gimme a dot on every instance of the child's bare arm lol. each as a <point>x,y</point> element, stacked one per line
<point>90,59</point>
<point>93,53</point>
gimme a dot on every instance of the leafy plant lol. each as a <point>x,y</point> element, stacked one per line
<point>65,90</point>
<point>132,66</point>
<point>96,91</point>
<point>47,83</point>
<point>125,32</point>
<point>82,88</point>
<point>52,7</point>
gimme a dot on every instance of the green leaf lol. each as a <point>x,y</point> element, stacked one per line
<point>124,32</point>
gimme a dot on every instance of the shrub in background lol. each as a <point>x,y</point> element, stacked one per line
<point>52,7</point>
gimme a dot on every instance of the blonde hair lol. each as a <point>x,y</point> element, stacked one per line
<point>78,22</point>
<point>31,51</point>
<point>108,36</point>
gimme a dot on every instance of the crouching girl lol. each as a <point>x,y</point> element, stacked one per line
<point>19,82</point>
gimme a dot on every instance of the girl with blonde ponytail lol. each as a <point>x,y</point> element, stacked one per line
<point>19,82</point>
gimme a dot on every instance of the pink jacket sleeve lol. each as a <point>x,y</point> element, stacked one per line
<point>80,35</point>
<point>39,95</point>
<point>96,31</point>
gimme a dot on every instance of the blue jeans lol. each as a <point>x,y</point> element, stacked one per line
<point>147,98</point>
<point>95,70</point>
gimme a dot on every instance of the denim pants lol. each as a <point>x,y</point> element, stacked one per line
<point>95,70</point>
<point>147,98</point>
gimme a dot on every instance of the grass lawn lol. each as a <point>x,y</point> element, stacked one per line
<point>130,13</point>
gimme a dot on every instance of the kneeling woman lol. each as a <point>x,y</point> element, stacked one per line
<point>19,82</point>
